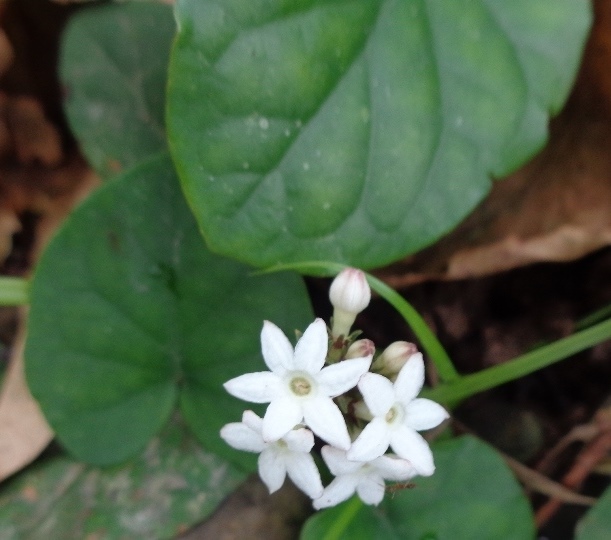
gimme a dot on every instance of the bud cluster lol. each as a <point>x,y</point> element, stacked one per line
<point>328,387</point>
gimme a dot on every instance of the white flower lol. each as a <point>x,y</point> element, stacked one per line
<point>366,478</point>
<point>298,387</point>
<point>350,294</point>
<point>397,416</point>
<point>288,455</point>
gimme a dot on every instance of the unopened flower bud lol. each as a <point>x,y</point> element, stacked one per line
<point>350,294</point>
<point>360,349</point>
<point>393,358</point>
<point>360,410</point>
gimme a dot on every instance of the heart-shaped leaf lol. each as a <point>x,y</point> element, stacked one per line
<point>130,311</point>
<point>172,485</point>
<point>471,495</point>
<point>358,131</point>
<point>113,66</point>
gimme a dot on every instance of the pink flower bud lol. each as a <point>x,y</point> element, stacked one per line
<point>360,349</point>
<point>350,294</point>
<point>393,358</point>
<point>350,291</point>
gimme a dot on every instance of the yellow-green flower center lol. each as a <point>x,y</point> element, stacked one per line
<point>395,414</point>
<point>300,386</point>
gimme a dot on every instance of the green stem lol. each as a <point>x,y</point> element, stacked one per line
<point>520,366</point>
<point>13,291</point>
<point>445,368</point>
<point>593,318</point>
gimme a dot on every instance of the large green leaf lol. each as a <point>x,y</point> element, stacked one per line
<point>113,67</point>
<point>471,495</point>
<point>172,485</point>
<point>358,131</point>
<point>596,524</point>
<point>130,311</point>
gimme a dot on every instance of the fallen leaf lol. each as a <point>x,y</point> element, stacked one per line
<point>24,432</point>
<point>9,225</point>
<point>6,52</point>
<point>34,137</point>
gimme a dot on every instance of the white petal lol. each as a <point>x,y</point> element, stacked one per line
<point>276,348</point>
<point>378,393</point>
<point>240,436</point>
<point>394,468</point>
<point>372,442</point>
<point>311,349</point>
<point>424,414</point>
<point>304,474</point>
<point>253,421</point>
<point>325,419</point>
<point>337,461</point>
<point>408,444</point>
<point>371,489</point>
<point>272,469</point>
<point>340,489</point>
<point>299,440</point>
<point>338,378</point>
<point>410,379</point>
<point>260,387</point>
<point>282,415</point>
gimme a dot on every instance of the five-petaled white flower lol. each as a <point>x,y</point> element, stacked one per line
<point>396,417</point>
<point>366,478</point>
<point>288,455</point>
<point>298,388</point>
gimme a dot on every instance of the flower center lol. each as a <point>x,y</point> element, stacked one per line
<point>300,386</point>
<point>395,414</point>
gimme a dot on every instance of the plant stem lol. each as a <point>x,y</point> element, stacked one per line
<point>13,291</point>
<point>520,366</point>
<point>445,368</point>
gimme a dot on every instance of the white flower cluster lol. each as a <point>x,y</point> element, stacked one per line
<point>330,392</point>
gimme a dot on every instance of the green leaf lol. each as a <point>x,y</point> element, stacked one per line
<point>358,131</point>
<point>471,495</point>
<point>131,312</point>
<point>172,485</point>
<point>596,524</point>
<point>113,66</point>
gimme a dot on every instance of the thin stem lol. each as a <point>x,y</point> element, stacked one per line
<point>593,318</point>
<point>13,291</point>
<point>520,366</point>
<point>433,347</point>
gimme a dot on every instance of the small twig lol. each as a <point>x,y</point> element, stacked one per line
<point>542,484</point>
<point>594,453</point>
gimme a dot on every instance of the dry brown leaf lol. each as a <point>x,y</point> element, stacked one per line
<point>9,225</point>
<point>24,432</point>
<point>35,138</point>
<point>6,52</point>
